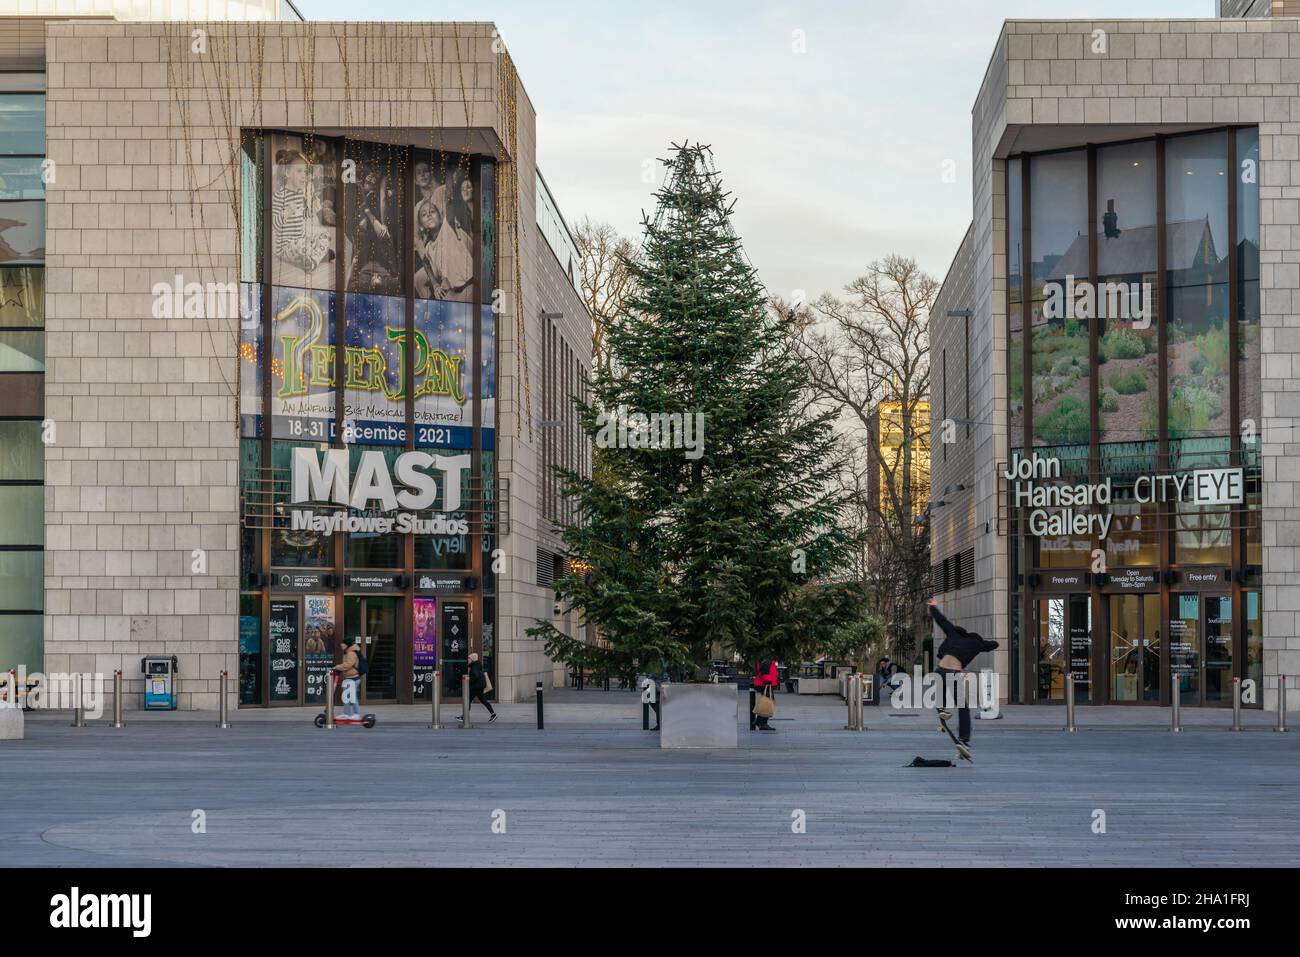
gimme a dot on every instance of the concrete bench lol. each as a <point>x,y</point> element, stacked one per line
<point>11,724</point>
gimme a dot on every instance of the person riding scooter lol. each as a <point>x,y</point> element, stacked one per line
<point>351,677</point>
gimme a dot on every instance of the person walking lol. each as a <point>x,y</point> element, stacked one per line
<point>765,680</point>
<point>478,686</point>
<point>956,652</point>
<point>351,678</point>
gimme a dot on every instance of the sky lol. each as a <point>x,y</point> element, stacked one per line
<point>832,122</point>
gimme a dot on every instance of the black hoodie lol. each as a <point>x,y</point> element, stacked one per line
<point>961,644</point>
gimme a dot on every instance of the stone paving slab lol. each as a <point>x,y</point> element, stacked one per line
<point>277,792</point>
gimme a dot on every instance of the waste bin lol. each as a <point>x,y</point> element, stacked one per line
<point>159,682</point>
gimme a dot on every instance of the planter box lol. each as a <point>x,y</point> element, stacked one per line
<point>11,724</point>
<point>699,716</point>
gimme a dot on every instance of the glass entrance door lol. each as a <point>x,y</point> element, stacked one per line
<point>1217,680</point>
<point>1064,641</point>
<point>1135,648</point>
<point>1185,646</point>
<point>372,620</point>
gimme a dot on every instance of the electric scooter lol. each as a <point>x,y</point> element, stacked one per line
<point>366,720</point>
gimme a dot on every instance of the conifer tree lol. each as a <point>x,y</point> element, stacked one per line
<point>734,544</point>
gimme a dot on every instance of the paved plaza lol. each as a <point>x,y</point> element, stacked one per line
<point>594,789</point>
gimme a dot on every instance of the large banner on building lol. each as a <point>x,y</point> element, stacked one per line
<point>302,365</point>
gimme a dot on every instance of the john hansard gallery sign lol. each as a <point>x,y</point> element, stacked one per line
<point>1058,508</point>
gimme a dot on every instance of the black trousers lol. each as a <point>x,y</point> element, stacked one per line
<point>479,696</point>
<point>963,714</point>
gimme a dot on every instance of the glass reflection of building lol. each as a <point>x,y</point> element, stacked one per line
<point>1160,377</point>
<point>367,272</point>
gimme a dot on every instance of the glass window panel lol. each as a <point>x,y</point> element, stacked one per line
<point>22,643</point>
<point>250,207</point>
<point>488,206</point>
<point>250,361</point>
<point>373,217</point>
<point>1015,317</point>
<point>375,392</point>
<point>444,226</point>
<point>1060,381</point>
<point>374,549</point>
<point>22,232</point>
<point>22,456</point>
<point>1199,361</point>
<point>444,410</point>
<point>22,351</point>
<point>1058,217</point>
<point>1202,533</point>
<point>22,123</point>
<point>22,515</point>
<point>1185,646</point>
<point>1127,247</point>
<point>22,581</point>
<point>295,549</point>
<point>255,494</point>
<point>1196,209</point>
<point>250,649</point>
<point>22,296</point>
<point>1254,669</point>
<point>1249,370</point>
<point>20,178</point>
<point>303,209</point>
<point>22,82</point>
<point>302,365</point>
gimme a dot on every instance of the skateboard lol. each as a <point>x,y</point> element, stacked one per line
<point>963,751</point>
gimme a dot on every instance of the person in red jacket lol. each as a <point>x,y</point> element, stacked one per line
<point>765,676</point>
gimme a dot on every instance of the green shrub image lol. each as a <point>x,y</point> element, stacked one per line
<point>1016,374</point>
<point>1197,364</point>
<point>1067,365</point>
<point>1128,382</point>
<point>1123,344</point>
<point>1065,423</point>
<point>1191,411</point>
<point>1212,348</point>
<point>1073,327</point>
<point>1108,400</point>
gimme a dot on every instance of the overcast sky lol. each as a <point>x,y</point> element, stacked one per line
<point>835,154</point>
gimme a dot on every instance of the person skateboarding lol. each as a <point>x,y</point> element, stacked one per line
<point>957,651</point>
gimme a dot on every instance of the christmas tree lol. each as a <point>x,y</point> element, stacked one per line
<point>710,521</point>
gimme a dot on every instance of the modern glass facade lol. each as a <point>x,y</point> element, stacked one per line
<point>367,327</point>
<point>22,365</point>
<point>1134,354</point>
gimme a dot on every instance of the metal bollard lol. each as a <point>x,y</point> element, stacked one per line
<point>1236,704</point>
<point>117,700</point>
<point>1176,708</point>
<point>852,720</point>
<point>464,701</point>
<point>857,702</point>
<point>329,699</point>
<point>436,722</point>
<point>223,702</point>
<point>1281,703</point>
<point>78,704</point>
<point>541,719</point>
<point>856,691</point>
<point>1069,701</point>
